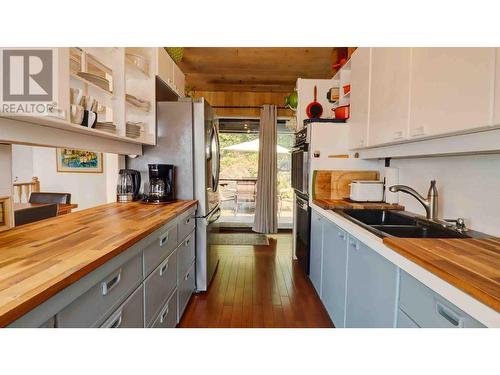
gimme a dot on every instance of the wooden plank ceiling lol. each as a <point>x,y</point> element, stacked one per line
<point>260,69</point>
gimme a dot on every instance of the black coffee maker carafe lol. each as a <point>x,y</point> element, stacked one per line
<point>161,183</point>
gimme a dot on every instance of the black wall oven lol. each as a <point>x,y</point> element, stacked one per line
<point>300,184</point>
<point>302,232</point>
<point>300,162</point>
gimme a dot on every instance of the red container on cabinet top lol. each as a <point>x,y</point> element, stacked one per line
<point>342,112</point>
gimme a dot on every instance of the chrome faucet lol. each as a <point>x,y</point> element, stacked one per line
<point>430,204</point>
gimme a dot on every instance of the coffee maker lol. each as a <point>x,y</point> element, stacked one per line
<point>161,183</point>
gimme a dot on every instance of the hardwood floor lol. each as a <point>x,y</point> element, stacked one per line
<point>257,286</point>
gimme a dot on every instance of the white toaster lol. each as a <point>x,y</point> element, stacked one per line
<point>367,191</point>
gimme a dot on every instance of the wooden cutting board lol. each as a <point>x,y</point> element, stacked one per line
<point>335,184</point>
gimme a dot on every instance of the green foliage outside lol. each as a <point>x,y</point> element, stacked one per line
<point>237,164</point>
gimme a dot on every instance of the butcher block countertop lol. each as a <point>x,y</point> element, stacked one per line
<point>40,259</point>
<point>471,265</point>
<point>334,204</point>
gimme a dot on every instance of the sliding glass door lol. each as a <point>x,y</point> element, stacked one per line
<point>239,141</point>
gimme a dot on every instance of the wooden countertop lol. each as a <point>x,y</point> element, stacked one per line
<point>40,259</point>
<point>332,204</point>
<point>471,265</point>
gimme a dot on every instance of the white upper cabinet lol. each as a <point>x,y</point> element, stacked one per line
<point>451,90</point>
<point>496,104</point>
<point>179,81</point>
<point>165,67</point>
<point>170,73</point>
<point>389,95</point>
<point>360,94</point>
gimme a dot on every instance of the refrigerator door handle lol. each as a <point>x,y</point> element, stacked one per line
<point>218,158</point>
<point>215,153</point>
<point>213,218</point>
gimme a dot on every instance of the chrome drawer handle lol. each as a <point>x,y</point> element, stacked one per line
<point>107,286</point>
<point>186,243</point>
<point>117,322</point>
<point>164,239</point>
<point>164,268</point>
<point>188,220</point>
<point>187,276</point>
<point>449,315</point>
<point>163,314</point>
<point>354,244</point>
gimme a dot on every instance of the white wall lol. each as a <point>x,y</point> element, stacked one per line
<point>5,171</point>
<point>87,189</point>
<point>22,163</point>
<point>468,187</point>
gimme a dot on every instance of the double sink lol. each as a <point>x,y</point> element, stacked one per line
<point>384,223</point>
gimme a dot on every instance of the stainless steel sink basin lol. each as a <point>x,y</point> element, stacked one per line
<point>386,223</point>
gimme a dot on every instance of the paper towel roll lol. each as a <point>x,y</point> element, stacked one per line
<point>391,178</point>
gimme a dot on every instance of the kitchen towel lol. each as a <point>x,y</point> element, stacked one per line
<point>391,178</point>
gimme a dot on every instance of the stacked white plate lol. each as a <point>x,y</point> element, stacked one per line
<point>108,127</point>
<point>133,129</point>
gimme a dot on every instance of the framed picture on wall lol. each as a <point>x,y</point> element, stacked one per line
<point>78,161</point>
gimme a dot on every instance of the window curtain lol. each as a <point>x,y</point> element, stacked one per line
<point>266,213</point>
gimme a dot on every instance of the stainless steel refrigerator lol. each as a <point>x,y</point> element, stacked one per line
<point>187,136</point>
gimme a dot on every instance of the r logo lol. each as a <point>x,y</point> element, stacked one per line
<point>27,75</point>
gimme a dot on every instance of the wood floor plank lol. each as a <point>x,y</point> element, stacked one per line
<point>257,286</point>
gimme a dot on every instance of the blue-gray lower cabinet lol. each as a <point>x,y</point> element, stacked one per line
<point>428,309</point>
<point>334,272</point>
<point>371,288</point>
<point>404,321</point>
<point>316,250</point>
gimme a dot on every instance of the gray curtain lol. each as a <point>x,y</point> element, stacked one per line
<point>266,213</point>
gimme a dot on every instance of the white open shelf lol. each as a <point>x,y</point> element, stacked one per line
<point>87,82</point>
<point>125,76</point>
<point>54,122</point>
<point>342,78</point>
<point>141,85</point>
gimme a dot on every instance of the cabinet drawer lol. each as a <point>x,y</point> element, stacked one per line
<point>158,286</point>
<point>428,309</point>
<point>185,255</point>
<point>185,289</point>
<point>165,241</point>
<point>167,318</point>
<point>94,305</point>
<point>404,321</point>
<point>186,224</point>
<point>129,314</point>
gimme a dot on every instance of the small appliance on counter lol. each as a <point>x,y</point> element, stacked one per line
<point>161,183</point>
<point>128,186</point>
<point>367,191</point>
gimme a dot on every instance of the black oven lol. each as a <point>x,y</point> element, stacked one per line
<point>300,162</point>
<point>302,232</point>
